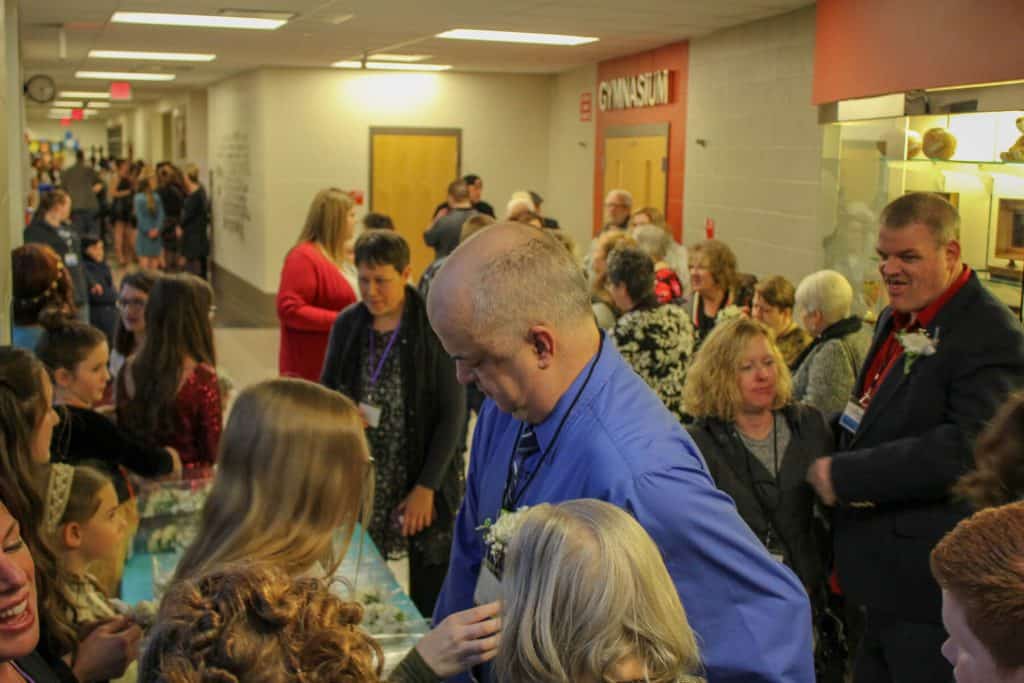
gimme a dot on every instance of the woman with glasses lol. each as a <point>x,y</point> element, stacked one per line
<point>757,443</point>
<point>130,331</point>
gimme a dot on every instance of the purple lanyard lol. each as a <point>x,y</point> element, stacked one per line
<point>387,350</point>
<point>21,671</point>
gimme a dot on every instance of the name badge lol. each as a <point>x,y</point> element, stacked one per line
<point>851,418</point>
<point>488,587</point>
<point>370,413</point>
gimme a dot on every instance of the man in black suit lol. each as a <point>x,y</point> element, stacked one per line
<point>945,355</point>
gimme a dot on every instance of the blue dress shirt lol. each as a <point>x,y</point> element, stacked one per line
<point>620,444</point>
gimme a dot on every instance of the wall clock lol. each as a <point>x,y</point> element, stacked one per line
<point>40,89</point>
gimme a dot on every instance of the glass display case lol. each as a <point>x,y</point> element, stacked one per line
<point>975,160</point>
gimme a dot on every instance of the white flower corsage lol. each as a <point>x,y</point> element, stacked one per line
<point>497,536</point>
<point>916,344</point>
<point>728,313</point>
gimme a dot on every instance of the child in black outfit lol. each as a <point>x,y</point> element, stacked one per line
<point>102,294</point>
<point>76,355</point>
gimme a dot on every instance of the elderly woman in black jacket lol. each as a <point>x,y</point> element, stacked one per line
<point>384,355</point>
<point>758,444</point>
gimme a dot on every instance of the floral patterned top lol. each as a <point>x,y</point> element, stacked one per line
<point>658,342</point>
<point>388,445</point>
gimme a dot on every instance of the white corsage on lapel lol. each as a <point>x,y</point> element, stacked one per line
<point>916,344</point>
<point>730,312</point>
<point>496,538</point>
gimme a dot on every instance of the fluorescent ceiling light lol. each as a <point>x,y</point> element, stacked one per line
<point>405,59</point>
<point>86,94</point>
<point>197,20</point>
<point>68,103</point>
<point>124,75</point>
<point>99,105</point>
<point>516,37</point>
<point>158,56</point>
<point>391,66</point>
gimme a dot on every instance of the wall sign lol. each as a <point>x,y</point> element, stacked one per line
<point>628,92</point>
<point>586,106</point>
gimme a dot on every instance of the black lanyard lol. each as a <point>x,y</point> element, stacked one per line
<point>510,497</point>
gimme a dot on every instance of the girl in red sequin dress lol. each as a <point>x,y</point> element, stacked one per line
<point>169,394</point>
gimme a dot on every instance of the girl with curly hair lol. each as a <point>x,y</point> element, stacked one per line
<point>294,477</point>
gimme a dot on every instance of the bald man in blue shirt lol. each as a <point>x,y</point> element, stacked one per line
<point>567,418</point>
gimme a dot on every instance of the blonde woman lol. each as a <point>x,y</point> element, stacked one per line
<point>294,474</point>
<point>313,287</point>
<point>587,597</point>
<point>149,217</point>
<point>293,469</point>
<point>758,443</point>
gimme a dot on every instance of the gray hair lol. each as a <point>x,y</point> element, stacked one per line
<point>654,240</point>
<point>826,292</point>
<point>518,205</point>
<point>585,587</point>
<point>623,196</point>
<point>535,282</point>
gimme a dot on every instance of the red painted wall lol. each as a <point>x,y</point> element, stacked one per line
<point>675,58</point>
<point>873,47</point>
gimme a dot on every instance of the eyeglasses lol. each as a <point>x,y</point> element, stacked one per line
<point>124,304</point>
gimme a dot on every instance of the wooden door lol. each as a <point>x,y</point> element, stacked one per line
<point>410,169</point>
<point>636,159</point>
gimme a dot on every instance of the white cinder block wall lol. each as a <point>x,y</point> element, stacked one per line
<point>758,175</point>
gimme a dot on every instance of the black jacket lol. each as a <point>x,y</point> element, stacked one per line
<point>790,504</point>
<point>195,222</point>
<point>435,402</point>
<point>103,306</point>
<point>66,243</point>
<point>893,477</point>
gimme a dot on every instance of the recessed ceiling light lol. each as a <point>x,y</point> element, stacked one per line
<point>391,66</point>
<point>157,56</point>
<point>86,94</point>
<point>99,105</point>
<point>197,20</point>
<point>405,59</point>
<point>68,103</point>
<point>124,75</point>
<point>516,37</point>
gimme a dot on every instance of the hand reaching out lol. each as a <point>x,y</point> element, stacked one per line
<point>462,640</point>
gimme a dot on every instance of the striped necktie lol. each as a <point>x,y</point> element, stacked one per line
<point>525,447</point>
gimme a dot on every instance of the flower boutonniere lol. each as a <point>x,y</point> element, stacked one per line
<point>916,344</point>
<point>728,313</point>
<point>497,536</point>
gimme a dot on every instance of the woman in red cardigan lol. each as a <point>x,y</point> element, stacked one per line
<point>313,291</point>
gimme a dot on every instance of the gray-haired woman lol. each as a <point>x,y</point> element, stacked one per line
<point>827,370</point>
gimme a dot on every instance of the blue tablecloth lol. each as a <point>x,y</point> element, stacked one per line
<point>362,569</point>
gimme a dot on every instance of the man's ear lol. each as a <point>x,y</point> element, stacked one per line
<point>542,342</point>
<point>952,248</point>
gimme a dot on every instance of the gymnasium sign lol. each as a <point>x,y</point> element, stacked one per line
<point>630,92</point>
